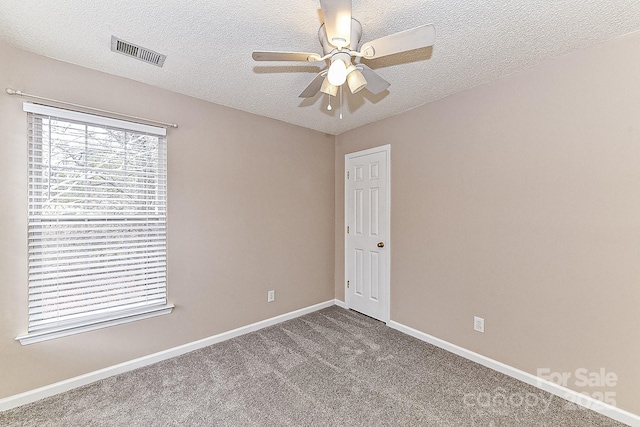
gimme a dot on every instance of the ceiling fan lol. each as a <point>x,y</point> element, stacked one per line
<point>340,36</point>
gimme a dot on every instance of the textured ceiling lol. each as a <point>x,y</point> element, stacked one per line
<point>209,43</point>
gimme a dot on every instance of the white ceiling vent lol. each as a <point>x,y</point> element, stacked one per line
<point>135,51</point>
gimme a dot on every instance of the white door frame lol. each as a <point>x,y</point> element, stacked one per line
<point>387,291</point>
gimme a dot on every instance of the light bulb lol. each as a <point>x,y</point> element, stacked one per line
<point>337,73</point>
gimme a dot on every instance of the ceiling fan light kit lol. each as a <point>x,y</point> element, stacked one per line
<point>355,79</point>
<point>339,37</point>
<point>328,88</point>
<point>338,69</point>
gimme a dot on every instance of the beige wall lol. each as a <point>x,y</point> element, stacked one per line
<point>247,195</point>
<point>519,201</point>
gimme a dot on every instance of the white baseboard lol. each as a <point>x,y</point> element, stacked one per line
<point>71,383</point>
<point>553,388</point>
<point>340,304</point>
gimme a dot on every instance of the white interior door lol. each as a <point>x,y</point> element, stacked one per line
<point>367,248</point>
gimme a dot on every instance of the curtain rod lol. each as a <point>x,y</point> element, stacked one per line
<point>84,107</point>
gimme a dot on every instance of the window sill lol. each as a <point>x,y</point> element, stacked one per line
<point>119,319</point>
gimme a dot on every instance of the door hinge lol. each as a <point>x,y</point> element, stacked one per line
<point>347,229</point>
<point>347,174</point>
<point>347,284</point>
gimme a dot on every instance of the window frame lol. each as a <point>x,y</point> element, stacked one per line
<point>114,316</point>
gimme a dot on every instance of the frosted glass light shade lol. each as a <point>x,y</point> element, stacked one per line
<point>337,73</point>
<point>328,88</point>
<point>356,81</point>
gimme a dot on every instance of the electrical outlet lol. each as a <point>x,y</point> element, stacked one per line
<point>478,324</point>
<point>271,296</point>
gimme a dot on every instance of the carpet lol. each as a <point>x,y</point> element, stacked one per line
<point>333,367</point>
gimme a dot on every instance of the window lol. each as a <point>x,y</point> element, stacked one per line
<point>97,222</point>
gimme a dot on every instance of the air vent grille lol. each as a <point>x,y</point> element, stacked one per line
<point>135,51</point>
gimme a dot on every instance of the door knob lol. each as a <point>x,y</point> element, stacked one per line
<point>381,244</point>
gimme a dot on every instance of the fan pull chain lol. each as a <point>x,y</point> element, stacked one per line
<point>340,102</point>
<point>329,106</point>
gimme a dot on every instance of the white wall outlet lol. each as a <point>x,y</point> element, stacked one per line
<point>271,296</point>
<point>478,324</point>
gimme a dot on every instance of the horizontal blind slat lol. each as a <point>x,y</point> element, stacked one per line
<point>93,278</point>
<point>133,257</point>
<point>43,298</point>
<point>135,250</point>
<point>80,240</point>
<point>106,297</point>
<point>92,269</point>
<point>77,286</point>
<point>71,309</point>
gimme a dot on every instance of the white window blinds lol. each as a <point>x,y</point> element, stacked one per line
<point>97,220</point>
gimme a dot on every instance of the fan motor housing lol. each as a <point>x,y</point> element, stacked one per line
<point>356,34</point>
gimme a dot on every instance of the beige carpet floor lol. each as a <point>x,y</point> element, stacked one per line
<point>333,367</point>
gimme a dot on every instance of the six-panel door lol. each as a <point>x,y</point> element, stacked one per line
<point>366,249</point>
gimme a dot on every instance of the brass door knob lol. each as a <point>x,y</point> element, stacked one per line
<point>381,244</point>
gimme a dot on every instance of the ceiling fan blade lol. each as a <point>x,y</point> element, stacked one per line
<point>285,56</point>
<point>415,38</point>
<point>375,83</point>
<point>337,21</point>
<point>314,87</point>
